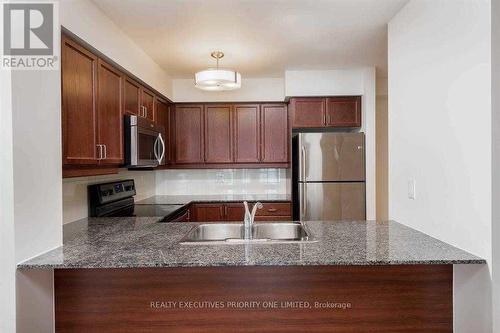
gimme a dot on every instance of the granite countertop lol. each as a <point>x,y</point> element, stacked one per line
<point>186,199</point>
<point>143,242</point>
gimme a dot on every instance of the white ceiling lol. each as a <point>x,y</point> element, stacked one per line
<point>260,38</point>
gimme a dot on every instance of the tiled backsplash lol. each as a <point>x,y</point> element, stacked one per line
<point>75,204</point>
<point>226,181</point>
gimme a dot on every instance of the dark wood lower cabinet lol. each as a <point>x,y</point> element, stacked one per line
<point>235,211</point>
<point>207,212</point>
<point>341,299</point>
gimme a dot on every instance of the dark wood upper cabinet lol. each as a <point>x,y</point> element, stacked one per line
<point>189,143</point>
<point>274,133</point>
<point>132,96</point>
<point>218,134</point>
<point>162,115</point>
<point>246,133</point>
<point>307,112</point>
<point>109,113</point>
<point>343,111</point>
<point>147,102</point>
<point>95,96</point>
<point>79,67</point>
<point>317,112</point>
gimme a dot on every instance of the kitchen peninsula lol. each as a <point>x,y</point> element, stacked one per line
<point>363,276</point>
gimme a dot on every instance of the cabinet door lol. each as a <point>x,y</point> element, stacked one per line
<point>132,96</point>
<point>162,114</point>
<point>148,98</point>
<point>234,211</point>
<point>78,70</point>
<point>274,133</point>
<point>307,112</point>
<point>343,111</point>
<point>109,113</point>
<point>208,212</point>
<point>188,120</point>
<point>246,133</point>
<point>218,134</point>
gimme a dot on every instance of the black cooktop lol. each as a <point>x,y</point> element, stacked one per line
<point>117,199</point>
<point>145,210</point>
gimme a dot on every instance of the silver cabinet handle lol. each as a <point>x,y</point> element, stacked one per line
<point>105,151</point>
<point>146,110</point>
<point>99,157</point>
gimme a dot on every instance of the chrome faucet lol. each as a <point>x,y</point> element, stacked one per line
<point>249,218</point>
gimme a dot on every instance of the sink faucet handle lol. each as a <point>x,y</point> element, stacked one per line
<point>256,206</point>
<point>245,204</point>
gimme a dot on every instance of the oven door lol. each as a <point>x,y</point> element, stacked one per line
<point>147,148</point>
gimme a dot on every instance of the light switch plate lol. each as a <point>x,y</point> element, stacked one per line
<point>411,189</point>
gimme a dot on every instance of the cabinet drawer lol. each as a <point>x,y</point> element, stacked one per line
<point>275,209</point>
<point>264,218</point>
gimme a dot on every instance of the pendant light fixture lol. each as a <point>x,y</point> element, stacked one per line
<point>217,79</point>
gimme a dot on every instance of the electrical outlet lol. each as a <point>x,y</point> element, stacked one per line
<point>411,189</point>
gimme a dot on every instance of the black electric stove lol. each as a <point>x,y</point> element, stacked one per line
<point>117,199</point>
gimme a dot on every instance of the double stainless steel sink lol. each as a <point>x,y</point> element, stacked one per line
<point>230,233</point>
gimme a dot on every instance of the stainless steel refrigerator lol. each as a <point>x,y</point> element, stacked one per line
<point>328,176</point>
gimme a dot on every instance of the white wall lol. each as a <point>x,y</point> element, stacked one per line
<point>75,203</point>
<point>495,95</point>
<point>439,136</point>
<point>36,103</point>
<point>324,82</point>
<point>228,181</point>
<point>88,22</point>
<point>7,244</point>
<point>382,153</point>
<point>359,81</point>
<point>252,89</point>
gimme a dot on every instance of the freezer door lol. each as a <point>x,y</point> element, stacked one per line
<point>331,156</point>
<point>332,201</point>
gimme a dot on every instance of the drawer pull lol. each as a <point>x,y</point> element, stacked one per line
<point>272,210</point>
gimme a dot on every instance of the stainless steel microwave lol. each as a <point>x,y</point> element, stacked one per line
<point>144,143</point>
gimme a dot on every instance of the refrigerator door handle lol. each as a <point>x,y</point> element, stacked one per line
<point>304,201</point>
<point>303,173</point>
